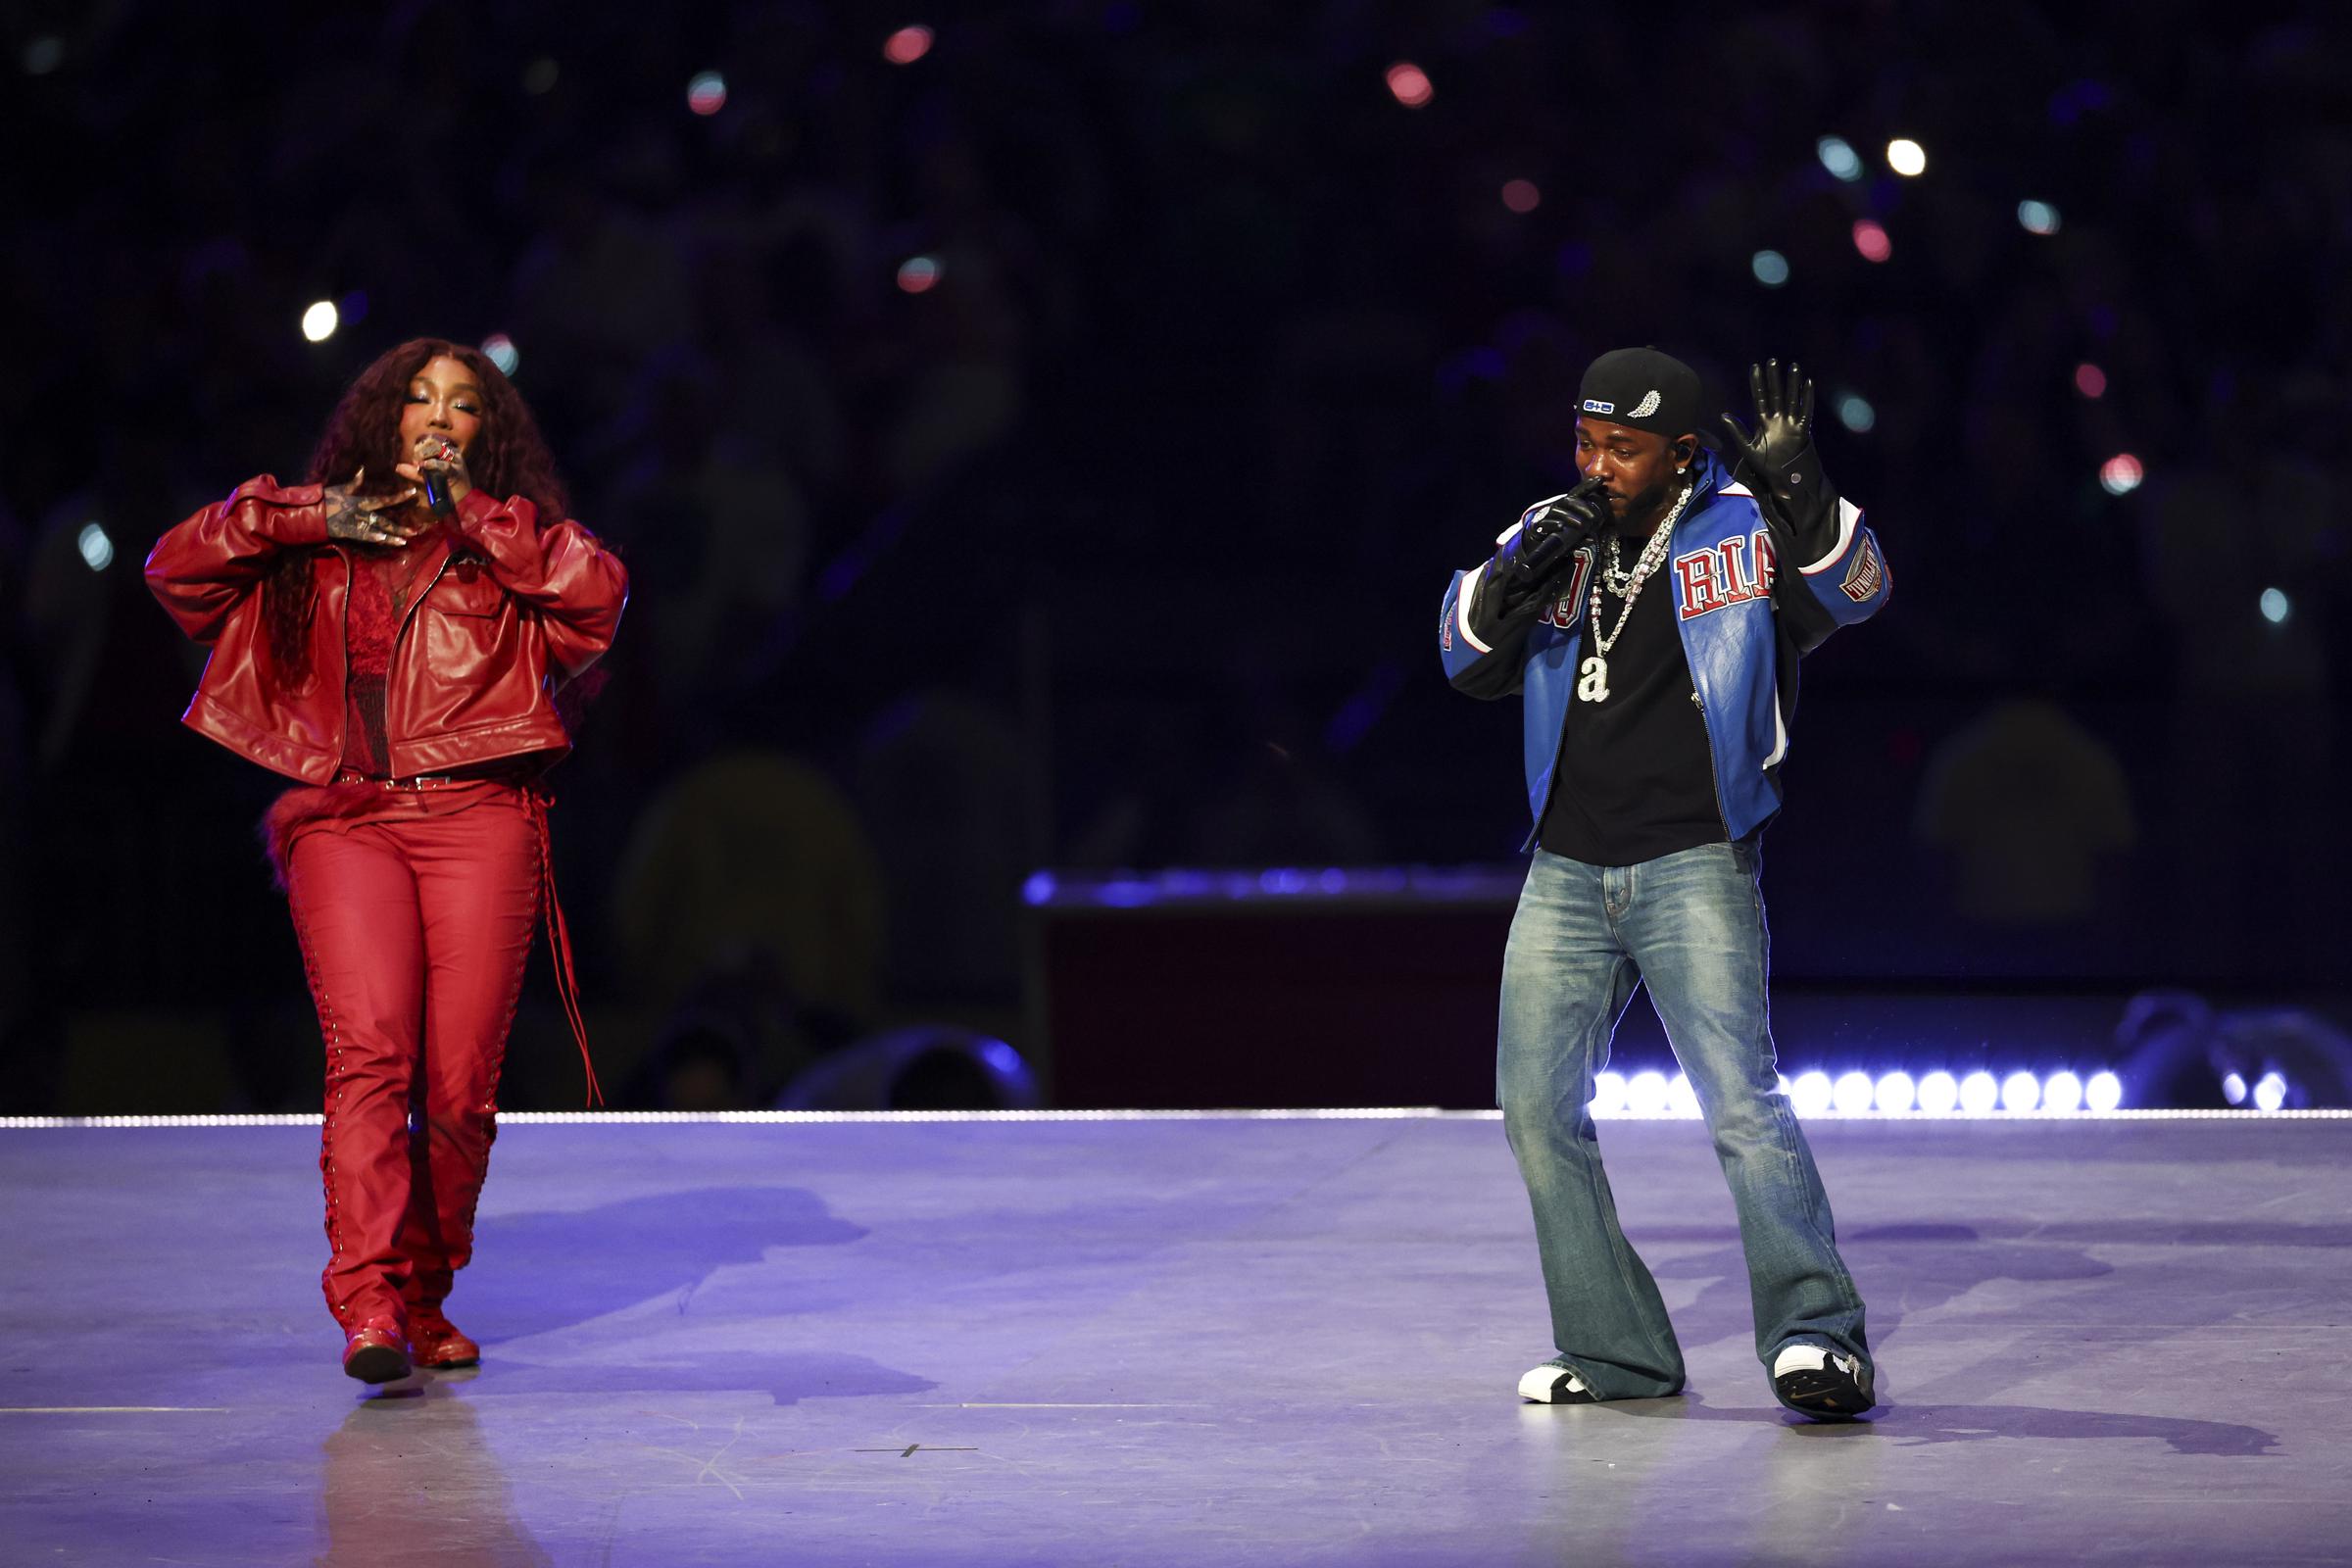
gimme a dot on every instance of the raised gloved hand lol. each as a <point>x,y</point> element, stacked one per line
<point>1551,533</point>
<point>1777,460</point>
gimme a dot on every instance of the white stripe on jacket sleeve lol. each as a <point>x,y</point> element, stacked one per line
<point>1848,515</point>
<point>1471,580</point>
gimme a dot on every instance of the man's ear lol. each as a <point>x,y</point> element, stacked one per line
<point>1685,449</point>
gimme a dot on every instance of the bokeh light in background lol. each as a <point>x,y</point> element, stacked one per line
<point>917,274</point>
<point>2062,1091</point>
<point>2234,1089</point>
<point>2037,217</point>
<point>1838,157</point>
<point>2103,1092</point>
<point>319,322</point>
<point>2021,1091</point>
<point>1855,413</point>
<point>1906,158</point>
<point>1409,84</point>
<point>2270,1092</point>
<point>2090,380</point>
<point>1521,195</point>
<point>499,349</point>
<point>1894,1092</point>
<point>2275,605</point>
<point>1871,240</point>
<point>706,93</point>
<point>97,549</point>
<point>1681,1099</point>
<point>907,45</point>
<point>2121,475</point>
<point>1608,1093</point>
<point>1770,267</point>
<point>1938,1093</point>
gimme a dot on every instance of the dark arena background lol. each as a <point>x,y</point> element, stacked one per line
<point>1039,906</point>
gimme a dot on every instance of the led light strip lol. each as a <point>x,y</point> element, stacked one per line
<point>624,1119</point>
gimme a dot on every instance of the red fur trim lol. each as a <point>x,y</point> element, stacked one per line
<point>305,805</point>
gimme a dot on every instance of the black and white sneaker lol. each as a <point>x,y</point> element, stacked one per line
<point>1555,1383</point>
<point>1825,1384</point>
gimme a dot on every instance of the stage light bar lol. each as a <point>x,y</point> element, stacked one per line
<point>817,1118</point>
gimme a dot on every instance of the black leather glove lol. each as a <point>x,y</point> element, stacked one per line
<point>1551,533</point>
<point>1777,460</point>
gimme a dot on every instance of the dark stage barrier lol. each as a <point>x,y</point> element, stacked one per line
<point>1377,987</point>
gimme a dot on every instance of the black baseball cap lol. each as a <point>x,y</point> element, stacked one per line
<point>1641,388</point>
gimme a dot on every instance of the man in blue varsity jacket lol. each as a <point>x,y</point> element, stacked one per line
<point>1650,621</point>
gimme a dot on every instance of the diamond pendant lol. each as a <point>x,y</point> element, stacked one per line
<point>1594,686</point>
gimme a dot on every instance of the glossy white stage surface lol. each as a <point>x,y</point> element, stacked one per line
<point>1198,1341</point>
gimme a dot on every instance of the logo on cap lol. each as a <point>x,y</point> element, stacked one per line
<point>1646,406</point>
<point>1596,405</point>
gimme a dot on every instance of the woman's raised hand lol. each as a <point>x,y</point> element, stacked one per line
<point>370,520</point>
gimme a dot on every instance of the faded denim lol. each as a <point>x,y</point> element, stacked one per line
<point>1689,926</point>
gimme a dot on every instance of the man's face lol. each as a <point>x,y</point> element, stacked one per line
<point>1636,468</point>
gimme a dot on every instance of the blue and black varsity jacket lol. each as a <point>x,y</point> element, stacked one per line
<point>1744,623</point>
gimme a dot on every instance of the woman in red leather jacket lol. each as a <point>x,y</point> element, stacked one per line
<point>394,640</point>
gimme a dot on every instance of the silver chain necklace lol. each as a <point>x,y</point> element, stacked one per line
<point>1592,684</point>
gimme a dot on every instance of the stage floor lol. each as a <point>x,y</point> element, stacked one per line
<point>1202,1342</point>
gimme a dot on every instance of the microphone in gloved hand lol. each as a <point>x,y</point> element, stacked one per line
<point>1549,534</point>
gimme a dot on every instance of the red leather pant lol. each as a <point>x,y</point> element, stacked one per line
<point>416,921</point>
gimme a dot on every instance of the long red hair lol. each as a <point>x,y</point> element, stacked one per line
<point>509,457</point>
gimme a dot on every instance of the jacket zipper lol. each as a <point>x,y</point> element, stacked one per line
<point>343,652</point>
<point>1534,833</point>
<point>1713,776</point>
<point>398,637</point>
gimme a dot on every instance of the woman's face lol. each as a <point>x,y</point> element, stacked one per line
<point>444,406</point>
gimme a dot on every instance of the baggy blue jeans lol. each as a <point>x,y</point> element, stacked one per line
<point>1691,927</point>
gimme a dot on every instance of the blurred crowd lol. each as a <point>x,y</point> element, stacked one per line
<point>1040,435</point>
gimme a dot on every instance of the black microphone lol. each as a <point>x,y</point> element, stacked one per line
<point>436,493</point>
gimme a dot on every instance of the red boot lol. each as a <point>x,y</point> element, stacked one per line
<point>377,1353</point>
<point>440,1343</point>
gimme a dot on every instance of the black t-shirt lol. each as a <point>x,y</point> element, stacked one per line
<point>1636,777</point>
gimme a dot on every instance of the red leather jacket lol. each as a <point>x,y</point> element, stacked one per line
<point>512,609</point>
